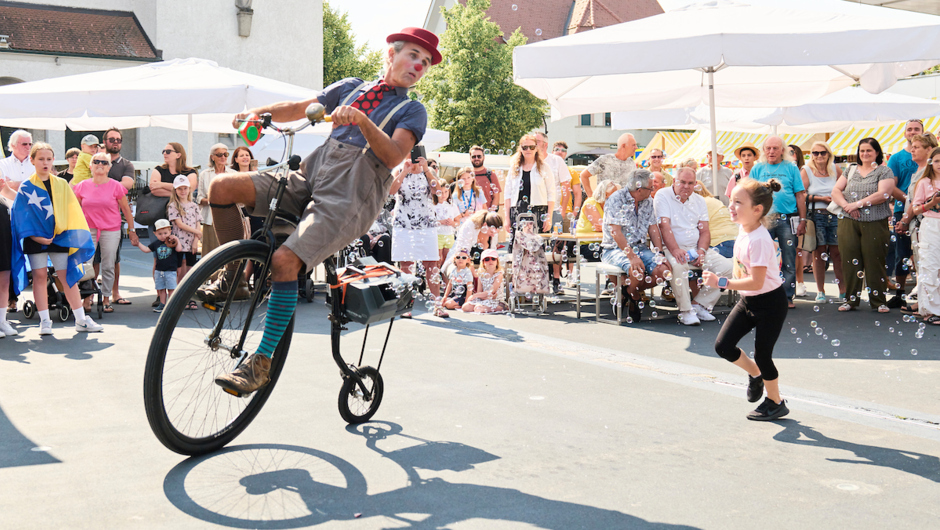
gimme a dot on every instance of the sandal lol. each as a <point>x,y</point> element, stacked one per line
<point>909,309</point>
<point>108,308</point>
<point>191,306</point>
<point>122,301</point>
<point>406,315</point>
<point>846,307</point>
<point>932,319</point>
<point>439,312</point>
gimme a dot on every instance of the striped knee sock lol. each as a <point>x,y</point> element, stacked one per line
<point>281,306</point>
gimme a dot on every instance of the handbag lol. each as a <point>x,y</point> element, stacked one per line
<point>834,208</point>
<point>150,208</point>
<point>808,243</point>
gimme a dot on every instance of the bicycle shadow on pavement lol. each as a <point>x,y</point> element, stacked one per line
<point>470,328</point>
<point>283,486</point>
<point>922,465</point>
<point>17,450</point>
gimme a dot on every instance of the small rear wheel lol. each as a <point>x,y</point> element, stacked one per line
<point>29,309</point>
<point>355,406</point>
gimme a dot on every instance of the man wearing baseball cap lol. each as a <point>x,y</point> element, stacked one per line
<point>375,126</point>
<point>82,169</point>
<point>724,176</point>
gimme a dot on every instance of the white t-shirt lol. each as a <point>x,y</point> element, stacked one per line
<point>684,217</point>
<point>13,169</point>
<point>446,210</point>
<point>561,174</point>
<point>467,234</point>
<point>757,250</point>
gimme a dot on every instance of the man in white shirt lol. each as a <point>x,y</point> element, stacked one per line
<point>17,167</point>
<point>724,176</point>
<point>683,223</point>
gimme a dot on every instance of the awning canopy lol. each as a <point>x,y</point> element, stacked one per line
<point>891,137</point>
<point>698,145</point>
<point>666,141</point>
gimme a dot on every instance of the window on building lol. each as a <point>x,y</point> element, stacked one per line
<point>607,119</point>
<point>586,120</point>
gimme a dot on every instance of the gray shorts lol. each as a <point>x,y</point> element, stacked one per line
<point>337,194</point>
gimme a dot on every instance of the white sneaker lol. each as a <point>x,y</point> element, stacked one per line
<point>88,326</point>
<point>7,330</point>
<point>801,289</point>
<point>688,318</point>
<point>702,314</point>
<point>45,327</point>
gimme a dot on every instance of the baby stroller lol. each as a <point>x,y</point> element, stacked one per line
<point>529,266</point>
<point>58,305</point>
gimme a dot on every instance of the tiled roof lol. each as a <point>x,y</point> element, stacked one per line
<point>547,19</point>
<point>55,30</point>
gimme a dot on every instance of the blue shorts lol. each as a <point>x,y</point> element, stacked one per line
<point>164,280</point>
<point>827,226</point>
<point>617,257</point>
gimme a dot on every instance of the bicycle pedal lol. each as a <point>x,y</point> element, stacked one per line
<point>233,392</point>
<point>212,307</point>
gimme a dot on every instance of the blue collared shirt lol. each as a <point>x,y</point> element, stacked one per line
<point>412,116</point>
<point>789,177</point>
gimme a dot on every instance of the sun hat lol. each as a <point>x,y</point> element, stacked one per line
<point>489,253</point>
<point>746,145</point>
<point>161,223</point>
<point>421,37</point>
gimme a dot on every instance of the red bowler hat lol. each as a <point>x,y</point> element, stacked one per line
<point>421,37</point>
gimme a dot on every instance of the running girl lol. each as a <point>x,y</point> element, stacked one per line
<point>763,303</point>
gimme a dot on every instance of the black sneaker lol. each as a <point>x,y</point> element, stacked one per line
<point>633,309</point>
<point>155,302</point>
<point>556,287</point>
<point>755,388</point>
<point>769,411</point>
<point>895,302</point>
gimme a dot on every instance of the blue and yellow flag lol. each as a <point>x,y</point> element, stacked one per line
<point>60,217</point>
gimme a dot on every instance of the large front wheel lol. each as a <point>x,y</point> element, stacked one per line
<point>187,411</point>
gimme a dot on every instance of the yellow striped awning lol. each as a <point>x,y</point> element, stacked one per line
<point>699,144</point>
<point>667,141</point>
<point>891,137</point>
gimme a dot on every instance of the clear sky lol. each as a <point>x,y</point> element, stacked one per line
<point>373,20</point>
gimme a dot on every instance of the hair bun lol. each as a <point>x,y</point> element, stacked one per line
<point>774,185</point>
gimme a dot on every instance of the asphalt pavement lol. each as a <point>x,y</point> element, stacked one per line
<point>488,421</point>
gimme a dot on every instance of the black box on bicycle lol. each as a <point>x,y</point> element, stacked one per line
<point>374,293</point>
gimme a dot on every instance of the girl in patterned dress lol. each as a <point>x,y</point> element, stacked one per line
<point>490,297</point>
<point>186,218</point>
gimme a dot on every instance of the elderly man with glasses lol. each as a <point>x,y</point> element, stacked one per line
<point>629,219</point>
<point>17,167</point>
<point>683,223</point>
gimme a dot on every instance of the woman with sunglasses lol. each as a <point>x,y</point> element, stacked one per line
<point>530,186</point>
<point>218,154</point>
<point>819,177</point>
<point>103,200</point>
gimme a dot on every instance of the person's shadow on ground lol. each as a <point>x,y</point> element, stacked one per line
<point>332,489</point>
<point>926,466</point>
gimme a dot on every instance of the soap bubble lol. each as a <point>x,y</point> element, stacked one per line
<point>812,324</point>
<point>819,331</point>
<point>887,353</point>
<point>799,340</point>
<point>860,274</point>
<point>877,323</point>
<point>854,262</point>
<point>816,308</point>
<point>913,352</point>
<point>835,354</point>
<point>836,342</point>
<point>820,356</point>
<point>515,7</point>
<point>538,31</point>
<point>793,331</point>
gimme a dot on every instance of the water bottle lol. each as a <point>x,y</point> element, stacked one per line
<point>692,255</point>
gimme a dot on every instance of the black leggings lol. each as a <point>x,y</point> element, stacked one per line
<point>766,312</point>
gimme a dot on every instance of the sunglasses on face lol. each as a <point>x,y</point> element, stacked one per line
<point>488,259</point>
<point>528,147</point>
<point>462,257</point>
<point>101,162</point>
<point>475,156</point>
<point>820,153</point>
<point>223,155</point>
<point>114,140</point>
<point>168,151</point>
<point>656,156</point>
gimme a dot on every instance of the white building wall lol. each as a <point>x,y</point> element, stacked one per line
<point>286,43</point>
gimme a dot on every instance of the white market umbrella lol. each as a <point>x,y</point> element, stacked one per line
<point>847,108</point>
<point>729,53</point>
<point>194,95</point>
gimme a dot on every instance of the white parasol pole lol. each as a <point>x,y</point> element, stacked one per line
<point>189,137</point>
<point>714,128</point>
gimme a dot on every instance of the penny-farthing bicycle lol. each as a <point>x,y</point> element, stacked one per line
<point>192,415</point>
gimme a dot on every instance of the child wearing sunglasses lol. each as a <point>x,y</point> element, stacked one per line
<point>460,283</point>
<point>490,297</point>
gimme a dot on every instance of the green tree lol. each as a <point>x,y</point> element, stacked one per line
<point>341,57</point>
<point>470,94</point>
